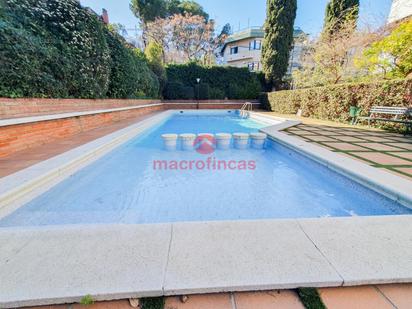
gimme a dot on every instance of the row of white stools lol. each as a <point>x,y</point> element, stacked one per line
<point>222,141</point>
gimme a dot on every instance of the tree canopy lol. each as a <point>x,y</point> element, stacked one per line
<point>149,10</point>
<point>278,38</point>
<point>339,12</point>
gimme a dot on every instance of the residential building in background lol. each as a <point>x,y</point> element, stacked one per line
<point>401,9</point>
<point>244,49</point>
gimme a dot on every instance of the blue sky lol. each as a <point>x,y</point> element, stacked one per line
<point>251,12</point>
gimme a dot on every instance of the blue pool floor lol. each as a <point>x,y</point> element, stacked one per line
<point>124,187</point>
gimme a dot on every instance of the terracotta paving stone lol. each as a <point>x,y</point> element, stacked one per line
<point>406,170</point>
<point>406,155</point>
<point>399,294</point>
<point>120,304</point>
<point>378,146</point>
<point>347,138</point>
<point>268,300</point>
<point>354,298</point>
<point>346,146</point>
<point>209,301</point>
<point>380,139</point>
<point>381,158</point>
<point>405,139</point>
<point>402,145</point>
<point>320,138</point>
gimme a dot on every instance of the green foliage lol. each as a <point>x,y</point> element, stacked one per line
<point>149,10</point>
<point>310,298</point>
<point>178,91</point>
<point>391,56</point>
<point>152,303</point>
<point>339,12</point>
<point>130,75</point>
<point>56,48</point>
<point>154,54</point>
<point>333,102</point>
<point>47,52</point>
<point>278,39</point>
<point>223,82</point>
<point>87,300</point>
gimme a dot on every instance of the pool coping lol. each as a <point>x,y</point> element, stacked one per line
<point>337,251</point>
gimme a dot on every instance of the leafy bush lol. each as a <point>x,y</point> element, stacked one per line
<point>333,102</point>
<point>225,82</point>
<point>176,91</point>
<point>129,72</point>
<point>57,48</point>
<point>202,91</point>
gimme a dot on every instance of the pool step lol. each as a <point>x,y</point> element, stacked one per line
<point>221,141</point>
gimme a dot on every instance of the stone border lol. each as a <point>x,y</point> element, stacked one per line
<point>61,264</point>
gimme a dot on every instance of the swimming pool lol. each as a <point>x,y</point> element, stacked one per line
<point>126,185</point>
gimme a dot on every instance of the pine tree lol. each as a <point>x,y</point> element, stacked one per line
<point>277,44</point>
<point>339,12</point>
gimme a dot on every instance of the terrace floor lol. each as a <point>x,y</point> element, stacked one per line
<point>394,296</point>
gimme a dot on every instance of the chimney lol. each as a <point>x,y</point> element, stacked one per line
<point>105,17</point>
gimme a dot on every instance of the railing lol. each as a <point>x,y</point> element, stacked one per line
<point>246,108</point>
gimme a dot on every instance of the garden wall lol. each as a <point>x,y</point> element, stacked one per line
<point>18,137</point>
<point>333,102</point>
<point>13,108</point>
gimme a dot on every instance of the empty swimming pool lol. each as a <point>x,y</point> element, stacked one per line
<point>140,182</point>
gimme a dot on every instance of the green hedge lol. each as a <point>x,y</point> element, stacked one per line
<point>216,82</point>
<point>333,102</point>
<point>57,48</point>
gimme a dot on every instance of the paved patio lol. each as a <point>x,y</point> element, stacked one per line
<point>381,149</point>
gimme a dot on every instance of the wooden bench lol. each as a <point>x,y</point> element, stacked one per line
<point>401,115</point>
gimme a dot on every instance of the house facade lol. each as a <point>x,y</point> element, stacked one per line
<point>243,49</point>
<point>400,9</point>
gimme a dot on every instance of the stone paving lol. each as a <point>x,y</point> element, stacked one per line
<point>381,149</point>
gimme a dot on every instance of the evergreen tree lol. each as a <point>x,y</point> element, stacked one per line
<point>277,44</point>
<point>339,12</point>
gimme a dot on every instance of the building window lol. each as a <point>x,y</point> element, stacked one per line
<point>234,50</point>
<point>253,66</point>
<point>255,45</point>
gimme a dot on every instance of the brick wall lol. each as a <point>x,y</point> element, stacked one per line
<point>15,108</point>
<point>20,137</point>
<point>25,136</point>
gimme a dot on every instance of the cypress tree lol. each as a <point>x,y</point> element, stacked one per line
<point>339,12</point>
<point>277,44</point>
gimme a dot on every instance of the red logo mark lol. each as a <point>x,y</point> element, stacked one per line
<point>205,144</point>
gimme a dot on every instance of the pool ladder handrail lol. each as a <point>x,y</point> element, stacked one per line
<point>247,107</point>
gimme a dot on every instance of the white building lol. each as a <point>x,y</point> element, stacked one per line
<point>244,49</point>
<point>400,9</point>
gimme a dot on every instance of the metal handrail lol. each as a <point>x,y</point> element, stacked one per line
<point>247,107</point>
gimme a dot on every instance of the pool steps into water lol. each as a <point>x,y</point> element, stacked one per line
<point>223,141</point>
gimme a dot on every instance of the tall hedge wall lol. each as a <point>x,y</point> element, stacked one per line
<point>57,48</point>
<point>216,82</point>
<point>333,102</point>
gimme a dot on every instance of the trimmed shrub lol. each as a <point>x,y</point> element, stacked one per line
<point>333,102</point>
<point>52,48</point>
<point>178,91</point>
<point>57,48</point>
<point>226,82</point>
<point>216,94</point>
<point>202,91</point>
